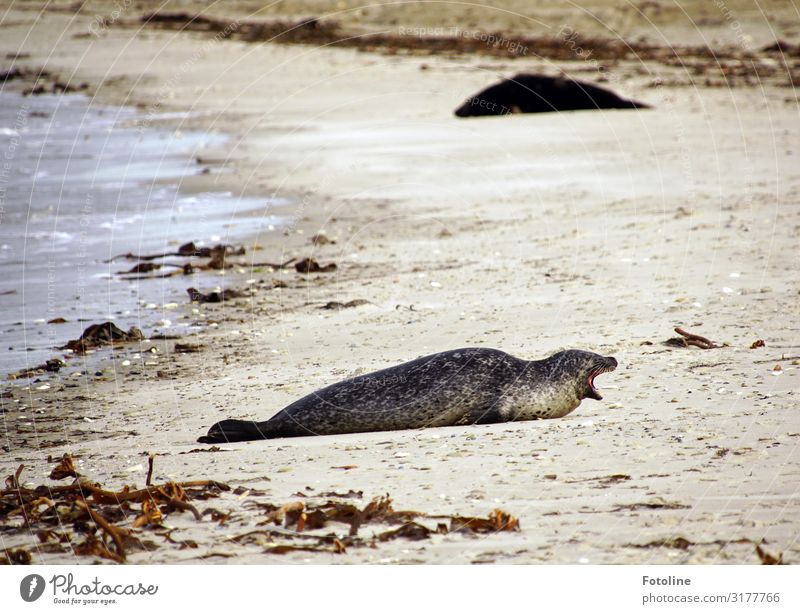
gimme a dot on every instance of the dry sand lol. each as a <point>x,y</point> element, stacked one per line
<point>597,230</point>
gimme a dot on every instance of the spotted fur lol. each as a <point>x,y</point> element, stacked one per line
<point>466,386</point>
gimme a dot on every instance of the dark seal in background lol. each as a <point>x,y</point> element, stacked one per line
<point>525,93</point>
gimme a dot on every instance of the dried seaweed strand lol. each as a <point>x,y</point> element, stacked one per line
<point>105,526</point>
<point>110,497</point>
<point>184,505</point>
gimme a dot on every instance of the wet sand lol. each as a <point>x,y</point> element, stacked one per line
<point>83,185</point>
<point>601,231</point>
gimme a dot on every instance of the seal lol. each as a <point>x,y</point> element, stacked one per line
<point>465,386</point>
<point>526,93</point>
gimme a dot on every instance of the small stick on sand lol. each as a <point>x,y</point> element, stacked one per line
<point>132,256</point>
<point>696,340</point>
<point>15,487</point>
<point>150,461</point>
<point>271,265</point>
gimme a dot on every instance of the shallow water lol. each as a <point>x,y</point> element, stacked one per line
<point>79,184</point>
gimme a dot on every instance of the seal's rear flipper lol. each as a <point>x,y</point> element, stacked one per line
<point>229,431</point>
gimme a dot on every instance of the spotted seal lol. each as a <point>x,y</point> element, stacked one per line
<point>465,386</point>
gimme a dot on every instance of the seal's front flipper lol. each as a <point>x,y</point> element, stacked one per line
<point>229,431</point>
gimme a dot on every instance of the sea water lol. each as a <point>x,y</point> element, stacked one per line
<point>79,184</point>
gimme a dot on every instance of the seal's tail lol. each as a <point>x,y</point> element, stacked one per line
<point>235,430</point>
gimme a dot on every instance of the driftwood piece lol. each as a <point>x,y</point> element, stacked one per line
<point>98,335</point>
<point>271,265</point>
<point>54,365</point>
<point>108,332</point>
<point>187,250</point>
<point>337,305</point>
<point>214,297</point>
<point>309,265</point>
<point>687,339</point>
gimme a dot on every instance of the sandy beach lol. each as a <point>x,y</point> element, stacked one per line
<point>599,230</point>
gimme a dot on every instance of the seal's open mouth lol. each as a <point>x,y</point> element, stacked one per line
<point>606,368</point>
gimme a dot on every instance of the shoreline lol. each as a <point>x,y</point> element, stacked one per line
<point>115,160</point>
<point>512,233</point>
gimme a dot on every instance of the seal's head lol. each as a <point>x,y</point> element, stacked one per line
<point>582,368</point>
